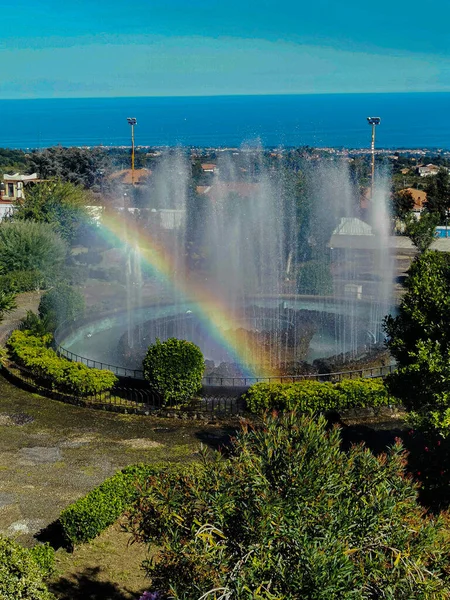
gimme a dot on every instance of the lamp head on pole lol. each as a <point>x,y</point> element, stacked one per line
<point>132,121</point>
<point>373,120</point>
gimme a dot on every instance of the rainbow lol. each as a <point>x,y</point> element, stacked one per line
<point>215,315</point>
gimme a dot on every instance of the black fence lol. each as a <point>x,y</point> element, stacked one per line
<point>126,398</point>
<point>237,382</point>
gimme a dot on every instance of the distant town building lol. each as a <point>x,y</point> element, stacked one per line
<point>12,190</point>
<point>427,170</point>
<point>419,197</point>
<point>209,168</point>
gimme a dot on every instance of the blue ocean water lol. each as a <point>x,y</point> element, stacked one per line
<point>409,120</point>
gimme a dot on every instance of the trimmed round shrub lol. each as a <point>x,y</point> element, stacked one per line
<point>174,369</point>
<point>22,571</point>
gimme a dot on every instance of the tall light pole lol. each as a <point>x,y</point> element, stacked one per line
<point>132,121</point>
<point>373,121</point>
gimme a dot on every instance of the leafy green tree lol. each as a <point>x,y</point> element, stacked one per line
<point>422,232</point>
<point>402,203</point>
<point>30,246</point>
<point>290,515</point>
<point>62,204</point>
<point>61,303</point>
<point>438,195</point>
<point>174,369</point>
<point>419,339</point>
<point>86,167</point>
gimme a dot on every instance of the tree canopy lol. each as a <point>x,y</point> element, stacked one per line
<point>86,167</point>
<point>419,337</point>
<point>62,204</point>
<point>438,194</point>
<point>422,232</point>
<point>30,246</point>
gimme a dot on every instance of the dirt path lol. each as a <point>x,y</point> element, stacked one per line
<point>25,302</point>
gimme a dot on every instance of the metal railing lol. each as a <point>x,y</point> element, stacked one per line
<point>238,382</point>
<point>124,398</point>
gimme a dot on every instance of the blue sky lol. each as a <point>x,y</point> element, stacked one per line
<point>176,47</point>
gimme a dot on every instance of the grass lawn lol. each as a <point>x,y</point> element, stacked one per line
<point>108,567</point>
<point>52,453</point>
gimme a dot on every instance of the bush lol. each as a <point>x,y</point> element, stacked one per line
<point>290,515</point>
<point>89,516</point>
<point>319,396</point>
<point>34,325</point>
<point>174,369</point>
<point>70,377</point>
<point>22,571</point>
<point>44,556</point>
<point>29,246</point>
<point>419,340</point>
<point>21,281</point>
<point>61,303</point>
<point>315,278</point>
<point>59,203</point>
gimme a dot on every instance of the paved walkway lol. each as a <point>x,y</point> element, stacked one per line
<point>25,302</point>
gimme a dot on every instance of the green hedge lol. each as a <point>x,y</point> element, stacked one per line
<point>22,571</point>
<point>316,395</point>
<point>100,508</point>
<point>71,377</point>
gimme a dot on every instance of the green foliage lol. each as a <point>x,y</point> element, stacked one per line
<point>438,195</point>
<point>419,339</point>
<point>69,377</point>
<point>85,167</point>
<point>61,303</point>
<point>89,516</point>
<point>305,396</point>
<point>34,325</point>
<point>29,246</point>
<point>174,369</point>
<point>7,303</point>
<point>61,204</point>
<point>315,278</point>
<point>402,203</point>
<point>44,556</point>
<point>21,281</point>
<point>22,571</point>
<point>290,515</point>
<point>421,232</point>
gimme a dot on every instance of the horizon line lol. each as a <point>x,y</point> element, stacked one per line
<point>252,95</point>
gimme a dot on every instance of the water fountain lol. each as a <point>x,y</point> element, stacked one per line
<point>245,268</point>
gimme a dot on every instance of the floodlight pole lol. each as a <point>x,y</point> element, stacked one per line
<point>373,121</point>
<point>132,121</point>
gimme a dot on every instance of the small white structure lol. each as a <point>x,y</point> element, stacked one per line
<point>12,188</point>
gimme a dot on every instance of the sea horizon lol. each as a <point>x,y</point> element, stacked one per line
<point>409,120</point>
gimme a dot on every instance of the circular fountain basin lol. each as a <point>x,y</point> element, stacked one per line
<point>350,326</point>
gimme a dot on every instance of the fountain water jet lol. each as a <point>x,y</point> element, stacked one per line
<point>257,242</point>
